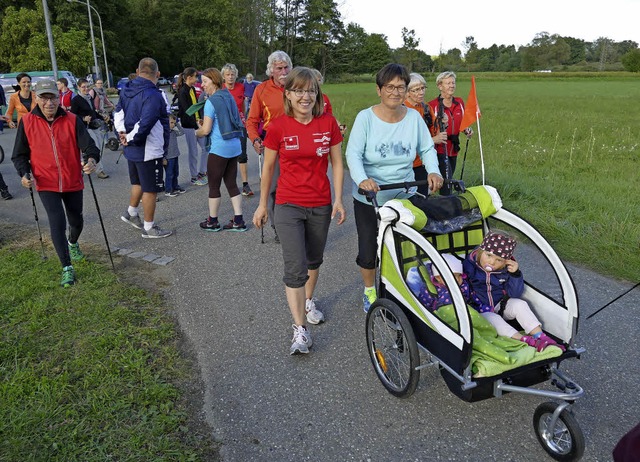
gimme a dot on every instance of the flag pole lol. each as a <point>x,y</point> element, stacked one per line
<point>481,152</point>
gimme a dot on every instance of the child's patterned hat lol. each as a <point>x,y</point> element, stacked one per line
<point>499,245</point>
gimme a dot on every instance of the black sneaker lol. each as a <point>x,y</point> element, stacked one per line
<point>5,194</point>
<point>246,190</point>
<point>180,190</point>
<point>233,226</point>
<point>211,226</point>
<point>171,194</point>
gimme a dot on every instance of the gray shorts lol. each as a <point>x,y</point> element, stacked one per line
<point>303,234</point>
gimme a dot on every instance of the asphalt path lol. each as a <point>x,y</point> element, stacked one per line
<point>264,405</point>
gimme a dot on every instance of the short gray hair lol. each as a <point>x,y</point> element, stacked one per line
<point>416,80</point>
<point>445,75</point>
<point>278,56</point>
<point>229,67</point>
<point>148,66</point>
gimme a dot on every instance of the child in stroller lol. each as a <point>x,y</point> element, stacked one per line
<point>443,296</point>
<point>497,282</point>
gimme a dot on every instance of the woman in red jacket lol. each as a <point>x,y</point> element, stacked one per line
<point>447,115</point>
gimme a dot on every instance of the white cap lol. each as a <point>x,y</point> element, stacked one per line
<point>454,264</point>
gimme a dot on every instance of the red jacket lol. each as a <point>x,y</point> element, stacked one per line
<point>454,115</point>
<point>52,151</point>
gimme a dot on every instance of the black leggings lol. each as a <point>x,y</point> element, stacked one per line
<point>219,169</point>
<point>53,204</point>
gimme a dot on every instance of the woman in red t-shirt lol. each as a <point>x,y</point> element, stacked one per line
<point>304,139</point>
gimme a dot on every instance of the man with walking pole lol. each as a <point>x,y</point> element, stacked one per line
<point>46,154</point>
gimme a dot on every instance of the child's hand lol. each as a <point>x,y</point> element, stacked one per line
<point>512,266</point>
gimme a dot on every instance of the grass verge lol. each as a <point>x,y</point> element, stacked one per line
<point>93,372</point>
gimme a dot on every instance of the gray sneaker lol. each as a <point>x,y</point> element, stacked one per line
<point>136,222</point>
<point>155,233</point>
<point>301,341</point>
<point>314,315</point>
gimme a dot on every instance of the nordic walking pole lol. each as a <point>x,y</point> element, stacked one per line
<point>260,175</point>
<point>464,160</point>
<point>614,300</point>
<point>104,232</point>
<point>35,213</point>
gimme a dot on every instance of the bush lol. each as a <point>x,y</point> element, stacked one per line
<point>631,61</point>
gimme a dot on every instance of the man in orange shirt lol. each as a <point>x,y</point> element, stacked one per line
<point>267,104</point>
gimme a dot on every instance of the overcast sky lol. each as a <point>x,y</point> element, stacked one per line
<point>445,25</point>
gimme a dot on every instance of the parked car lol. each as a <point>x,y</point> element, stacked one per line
<point>8,81</point>
<point>162,81</point>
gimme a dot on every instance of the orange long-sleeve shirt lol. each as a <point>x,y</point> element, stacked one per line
<point>267,104</point>
<point>420,108</point>
<point>16,105</point>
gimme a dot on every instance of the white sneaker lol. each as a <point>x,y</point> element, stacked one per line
<point>301,340</point>
<point>314,315</point>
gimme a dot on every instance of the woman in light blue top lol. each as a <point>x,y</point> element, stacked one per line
<point>381,150</point>
<point>220,121</point>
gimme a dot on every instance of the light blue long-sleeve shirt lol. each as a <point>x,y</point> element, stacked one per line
<point>385,151</point>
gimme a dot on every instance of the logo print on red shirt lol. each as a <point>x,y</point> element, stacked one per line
<point>291,143</point>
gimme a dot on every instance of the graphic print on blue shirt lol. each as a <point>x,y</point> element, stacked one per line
<point>397,148</point>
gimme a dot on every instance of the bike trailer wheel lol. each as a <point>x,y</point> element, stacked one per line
<point>565,441</point>
<point>393,348</point>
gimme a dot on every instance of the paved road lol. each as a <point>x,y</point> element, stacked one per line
<point>264,405</point>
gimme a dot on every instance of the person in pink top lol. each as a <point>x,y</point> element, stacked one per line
<point>304,140</point>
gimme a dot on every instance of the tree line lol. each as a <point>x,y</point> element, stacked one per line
<point>182,33</point>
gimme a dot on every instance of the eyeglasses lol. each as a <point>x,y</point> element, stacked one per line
<point>391,88</point>
<point>300,93</point>
<point>418,90</point>
<point>48,99</point>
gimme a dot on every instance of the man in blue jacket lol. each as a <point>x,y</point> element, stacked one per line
<point>143,124</point>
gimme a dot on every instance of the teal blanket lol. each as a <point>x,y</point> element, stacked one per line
<point>494,354</point>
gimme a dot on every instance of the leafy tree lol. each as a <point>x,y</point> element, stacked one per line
<point>349,55</point>
<point>377,53</point>
<point>508,59</point>
<point>631,61</point>
<point>452,61</point>
<point>625,46</point>
<point>471,52</point>
<point>410,47</point>
<point>320,31</point>
<point>577,48</point>
<point>559,53</point>
<point>203,44</point>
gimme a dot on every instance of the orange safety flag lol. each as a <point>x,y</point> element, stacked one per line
<point>471,108</point>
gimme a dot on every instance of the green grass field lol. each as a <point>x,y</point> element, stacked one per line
<point>561,149</point>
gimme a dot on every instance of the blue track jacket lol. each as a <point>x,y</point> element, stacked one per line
<point>142,114</point>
